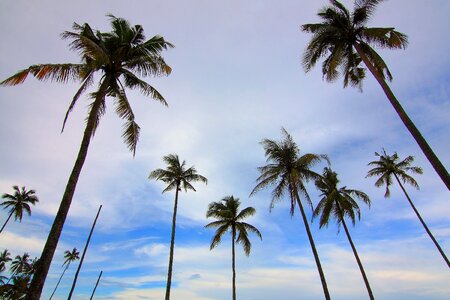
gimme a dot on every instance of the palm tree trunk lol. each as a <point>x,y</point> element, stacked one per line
<point>423,223</point>
<point>233,258</point>
<point>43,266</point>
<point>313,247</point>
<point>98,280</point>
<point>9,217</point>
<point>84,253</point>
<point>361,268</point>
<point>426,149</point>
<point>172,243</point>
<point>56,287</point>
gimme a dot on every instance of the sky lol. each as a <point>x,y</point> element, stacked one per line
<point>237,78</point>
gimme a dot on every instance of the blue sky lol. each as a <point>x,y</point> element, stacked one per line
<point>237,78</point>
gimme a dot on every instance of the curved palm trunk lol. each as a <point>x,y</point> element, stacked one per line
<point>9,217</point>
<point>56,287</point>
<point>313,247</point>
<point>172,243</point>
<point>423,223</point>
<point>43,266</point>
<point>426,149</point>
<point>361,268</point>
<point>233,257</point>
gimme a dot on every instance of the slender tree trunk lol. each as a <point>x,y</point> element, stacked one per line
<point>98,280</point>
<point>423,223</point>
<point>9,217</point>
<point>233,258</point>
<point>426,149</point>
<point>361,268</point>
<point>172,243</point>
<point>56,287</point>
<point>313,247</point>
<point>84,253</point>
<point>39,277</point>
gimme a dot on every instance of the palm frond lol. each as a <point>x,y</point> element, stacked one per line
<point>55,72</point>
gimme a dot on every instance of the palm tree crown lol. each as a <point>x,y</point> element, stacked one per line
<point>4,259</point>
<point>387,167</point>
<point>286,170</point>
<point>176,176</point>
<point>19,202</point>
<point>71,256</point>
<point>118,56</point>
<point>340,33</point>
<point>21,264</point>
<point>337,202</point>
<point>229,218</point>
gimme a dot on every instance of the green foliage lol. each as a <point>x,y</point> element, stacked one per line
<point>22,270</point>
<point>176,175</point>
<point>341,33</point>
<point>229,218</point>
<point>337,202</point>
<point>286,170</point>
<point>19,202</point>
<point>117,55</point>
<point>387,167</point>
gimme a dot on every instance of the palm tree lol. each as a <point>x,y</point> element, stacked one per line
<point>21,265</point>
<point>70,256</point>
<point>18,203</point>
<point>119,57</point>
<point>340,203</point>
<point>287,171</point>
<point>177,177</point>
<point>388,167</point>
<point>345,41</point>
<point>229,218</point>
<point>4,259</point>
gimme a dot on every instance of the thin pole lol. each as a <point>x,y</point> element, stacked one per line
<point>93,292</point>
<point>82,256</point>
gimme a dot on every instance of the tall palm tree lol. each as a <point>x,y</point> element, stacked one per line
<point>18,203</point>
<point>345,41</point>
<point>119,57</point>
<point>388,167</point>
<point>70,256</point>
<point>176,176</point>
<point>229,218</point>
<point>288,172</point>
<point>340,203</point>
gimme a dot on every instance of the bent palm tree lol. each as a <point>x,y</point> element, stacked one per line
<point>288,172</point>
<point>388,167</point>
<point>70,256</point>
<point>345,41</point>
<point>18,202</point>
<point>340,203</point>
<point>119,57</point>
<point>229,218</point>
<point>177,177</point>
